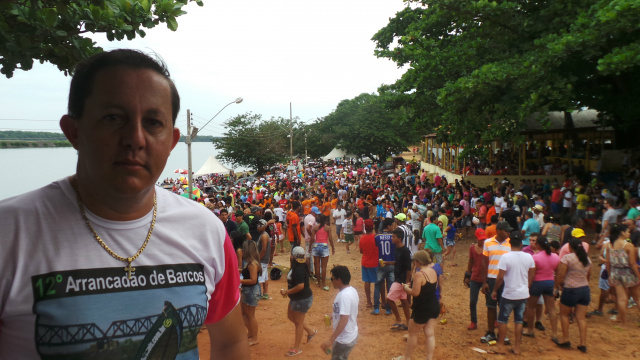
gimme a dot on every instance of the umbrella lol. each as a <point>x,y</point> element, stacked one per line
<point>194,191</point>
<point>181,171</point>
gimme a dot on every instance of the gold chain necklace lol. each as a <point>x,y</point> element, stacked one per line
<point>128,269</point>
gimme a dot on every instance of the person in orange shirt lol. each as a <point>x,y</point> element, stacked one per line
<point>326,208</point>
<point>307,204</point>
<point>293,224</point>
<point>491,210</point>
<point>490,231</point>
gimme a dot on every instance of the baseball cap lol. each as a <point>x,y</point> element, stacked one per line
<point>262,222</point>
<point>577,233</point>
<point>315,210</point>
<point>480,234</point>
<point>298,254</point>
<point>518,193</point>
<point>516,235</point>
<point>401,217</point>
<point>369,224</point>
<point>503,225</point>
<point>538,207</point>
<point>239,213</point>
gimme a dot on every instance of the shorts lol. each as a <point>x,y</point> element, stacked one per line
<point>576,296</point>
<point>449,242</point>
<point>349,238</point>
<point>338,229</point>
<point>544,287</point>
<point>250,294</point>
<point>273,244</point>
<point>302,305</point>
<point>341,351</point>
<point>438,257</point>
<point>396,292</point>
<point>603,284</point>
<point>320,249</point>
<point>492,304</point>
<point>358,232</point>
<point>507,306</point>
<point>369,274</point>
<point>265,274</point>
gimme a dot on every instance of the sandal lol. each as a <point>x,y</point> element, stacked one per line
<point>395,326</point>
<point>528,334</point>
<point>401,327</point>
<point>309,337</point>
<point>293,352</point>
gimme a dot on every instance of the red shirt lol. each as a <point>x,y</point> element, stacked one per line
<point>369,251</point>
<point>477,271</point>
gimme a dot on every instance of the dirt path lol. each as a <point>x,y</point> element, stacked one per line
<point>605,339</point>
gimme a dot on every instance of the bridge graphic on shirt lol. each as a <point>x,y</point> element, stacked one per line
<point>192,316</point>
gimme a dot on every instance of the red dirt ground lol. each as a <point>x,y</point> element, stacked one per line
<point>605,339</point>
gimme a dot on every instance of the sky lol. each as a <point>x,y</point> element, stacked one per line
<point>312,54</point>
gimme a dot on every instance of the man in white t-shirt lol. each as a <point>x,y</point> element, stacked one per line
<point>517,270</point>
<point>338,216</point>
<point>75,260</point>
<point>344,317</point>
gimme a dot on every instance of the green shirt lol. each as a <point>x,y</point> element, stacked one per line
<point>633,214</point>
<point>432,233</point>
<point>243,228</point>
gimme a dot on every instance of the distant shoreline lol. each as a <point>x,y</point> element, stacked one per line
<point>16,144</point>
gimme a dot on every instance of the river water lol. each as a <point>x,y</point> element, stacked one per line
<point>27,169</point>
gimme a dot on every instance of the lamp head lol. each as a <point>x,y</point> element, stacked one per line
<point>238,100</point>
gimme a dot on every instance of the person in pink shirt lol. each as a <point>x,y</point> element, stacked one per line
<point>543,284</point>
<point>575,233</point>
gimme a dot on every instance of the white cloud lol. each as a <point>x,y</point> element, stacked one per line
<point>310,53</point>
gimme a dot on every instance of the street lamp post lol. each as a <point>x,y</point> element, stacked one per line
<point>191,134</point>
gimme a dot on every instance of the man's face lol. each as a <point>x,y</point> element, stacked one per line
<point>126,133</point>
<point>396,240</point>
<point>224,216</point>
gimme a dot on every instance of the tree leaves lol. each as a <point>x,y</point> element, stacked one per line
<point>53,30</point>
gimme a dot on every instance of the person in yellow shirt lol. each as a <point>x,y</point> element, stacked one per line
<point>582,201</point>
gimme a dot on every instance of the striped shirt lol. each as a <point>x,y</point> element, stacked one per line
<point>494,250</point>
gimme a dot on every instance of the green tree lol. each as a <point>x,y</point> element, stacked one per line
<point>53,30</point>
<point>318,143</point>
<point>476,70</point>
<point>250,141</point>
<point>365,126</point>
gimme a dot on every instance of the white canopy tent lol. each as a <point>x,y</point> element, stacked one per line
<point>212,166</point>
<point>338,153</point>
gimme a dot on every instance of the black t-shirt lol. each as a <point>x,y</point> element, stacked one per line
<point>230,225</point>
<point>299,275</point>
<point>457,211</point>
<point>402,265</point>
<point>511,216</point>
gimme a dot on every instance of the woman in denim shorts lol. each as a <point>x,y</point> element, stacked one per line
<point>573,278</point>
<point>320,250</point>
<point>300,298</point>
<point>250,289</point>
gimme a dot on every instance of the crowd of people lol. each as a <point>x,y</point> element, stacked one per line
<point>530,244</point>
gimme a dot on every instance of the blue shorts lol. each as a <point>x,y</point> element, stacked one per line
<point>302,305</point>
<point>507,306</point>
<point>250,294</point>
<point>320,250</point>
<point>603,284</point>
<point>576,296</point>
<point>449,242</point>
<point>544,287</point>
<point>338,229</point>
<point>369,274</point>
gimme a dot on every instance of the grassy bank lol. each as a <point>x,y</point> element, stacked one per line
<point>5,144</point>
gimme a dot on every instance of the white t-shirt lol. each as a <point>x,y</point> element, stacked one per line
<point>516,278</point>
<point>279,213</point>
<point>346,303</point>
<point>568,199</point>
<point>339,215</point>
<point>415,219</point>
<point>56,276</point>
<point>309,220</point>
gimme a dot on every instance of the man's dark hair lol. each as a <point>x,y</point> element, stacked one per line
<point>86,71</point>
<point>494,219</point>
<point>223,210</point>
<point>295,205</point>
<point>433,218</point>
<point>341,272</point>
<point>399,233</point>
<point>387,222</point>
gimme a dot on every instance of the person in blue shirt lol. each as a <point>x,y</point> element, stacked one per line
<point>530,226</point>
<point>386,254</point>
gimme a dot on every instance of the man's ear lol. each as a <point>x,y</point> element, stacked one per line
<point>69,127</point>
<point>176,137</point>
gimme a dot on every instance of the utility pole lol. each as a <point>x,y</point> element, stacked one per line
<point>187,139</point>
<point>306,161</point>
<point>291,132</point>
